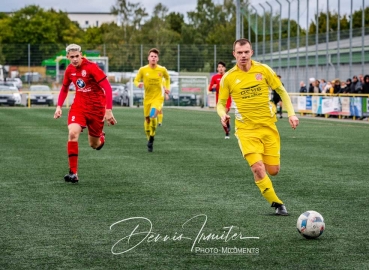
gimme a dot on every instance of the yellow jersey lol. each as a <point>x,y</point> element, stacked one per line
<point>250,93</point>
<point>154,80</point>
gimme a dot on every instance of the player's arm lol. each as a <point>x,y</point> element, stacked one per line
<point>104,84</point>
<point>62,95</point>
<point>294,121</point>
<point>166,82</point>
<point>101,79</point>
<point>137,81</point>
<point>210,87</point>
<point>222,101</point>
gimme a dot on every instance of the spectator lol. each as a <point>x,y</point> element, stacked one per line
<point>348,85</point>
<point>356,86</point>
<point>366,85</point>
<point>316,87</point>
<point>344,88</point>
<point>327,88</point>
<point>337,86</point>
<point>322,84</point>
<point>302,87</point>
<point>311,86</point>
<point>361,79</point>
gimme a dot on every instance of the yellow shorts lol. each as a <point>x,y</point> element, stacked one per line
<point>152,104</point>
<point>262,143</point>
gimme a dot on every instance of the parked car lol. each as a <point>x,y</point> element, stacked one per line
<point>9,95</point>
<point>41,94</point>
<point>138,93</point>
<point>9,83</point>
<point>120,94</point>
<point>18,82</point>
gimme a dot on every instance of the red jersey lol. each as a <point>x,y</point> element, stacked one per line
<point>216,80</point>
<point>86,79</point>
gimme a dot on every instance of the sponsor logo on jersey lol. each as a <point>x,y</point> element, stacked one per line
<point>80,83</point>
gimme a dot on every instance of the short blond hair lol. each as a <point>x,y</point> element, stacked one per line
<point>73,47</point>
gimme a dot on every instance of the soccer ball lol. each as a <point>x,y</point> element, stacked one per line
<point>310,224</point>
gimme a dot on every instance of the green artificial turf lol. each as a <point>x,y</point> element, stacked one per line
<point>195,185</point>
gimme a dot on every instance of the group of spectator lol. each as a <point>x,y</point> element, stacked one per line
<point>356,85</point>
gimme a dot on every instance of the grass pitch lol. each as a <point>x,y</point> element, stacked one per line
<point>191,204</point>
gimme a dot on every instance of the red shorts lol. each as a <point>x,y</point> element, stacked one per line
<point>94,120</point>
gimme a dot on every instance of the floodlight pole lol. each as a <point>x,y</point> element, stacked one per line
<point>288,40</point>
<point>256,31</point>
<point>316,38</point>
<point>338,40</point>
<point>327,56</point>
<point>249,24</point>
<point>238,21</point>
<point>263,31</point>
<point>307,42</point>
<point>351,19</point>
<point>271,34</point>
<point>279,36</point>
<point>298,36</point>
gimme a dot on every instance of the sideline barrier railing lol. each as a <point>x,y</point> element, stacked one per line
<point>340,105</point>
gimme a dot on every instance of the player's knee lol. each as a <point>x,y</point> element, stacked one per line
<point>73,135</point>
<point>147,119</point>
<point>94,144</point>
<point>258,169</point>
<point>273,170</point>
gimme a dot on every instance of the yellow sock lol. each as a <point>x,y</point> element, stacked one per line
<point>160,118</point>
<point>153,125</point>
<point>267,190</point>
<point>147,129</point>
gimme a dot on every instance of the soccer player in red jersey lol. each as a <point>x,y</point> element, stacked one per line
<point>92,105</point>
<point>214,87</point>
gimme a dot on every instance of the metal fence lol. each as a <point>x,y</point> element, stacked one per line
<point>337,55</point>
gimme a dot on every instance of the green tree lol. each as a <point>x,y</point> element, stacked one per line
<point>175,21</point>
<point>41,29</point>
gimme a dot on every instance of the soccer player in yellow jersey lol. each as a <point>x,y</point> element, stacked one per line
<point>248,84</point>
<point>156,82</point>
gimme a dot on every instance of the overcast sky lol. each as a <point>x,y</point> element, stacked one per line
<point>183,6</point>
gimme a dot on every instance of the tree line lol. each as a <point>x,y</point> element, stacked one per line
<point>48,31</point>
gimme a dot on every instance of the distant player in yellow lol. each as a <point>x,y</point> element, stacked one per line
<point>156,82</point>
<point>248,84</point>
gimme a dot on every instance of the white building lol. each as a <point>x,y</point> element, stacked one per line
<point>92,19</point>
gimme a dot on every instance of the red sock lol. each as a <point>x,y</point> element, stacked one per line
<point>72,149</point>
<point>102,138</point>
<point>225,129</point>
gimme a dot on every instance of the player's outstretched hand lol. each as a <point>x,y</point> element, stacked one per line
<point>109,117</point>
<point>58,112</point>
<point>294,121</point>
<point>225,119</point>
